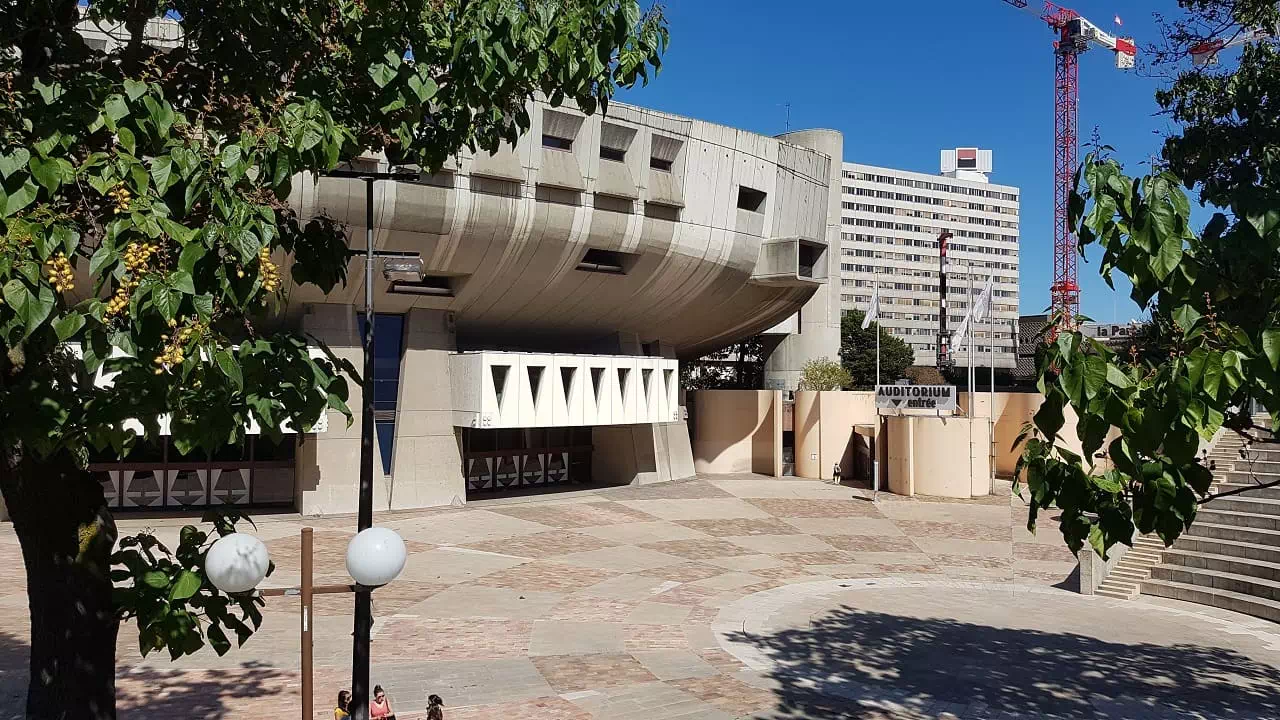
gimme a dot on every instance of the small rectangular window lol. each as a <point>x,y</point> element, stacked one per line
<point>659,164</point>
<point>603,261</point>
<point>751,199</point>
<point>614,154</point>
<point>437,285</point>
<point>557,143</point>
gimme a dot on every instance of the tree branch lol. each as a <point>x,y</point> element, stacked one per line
<point>1228,493</point>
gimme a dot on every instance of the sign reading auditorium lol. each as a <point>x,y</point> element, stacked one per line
<point>930,398</point>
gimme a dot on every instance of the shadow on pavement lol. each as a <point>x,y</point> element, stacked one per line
<point>855,664</point>
<point>166,693</point>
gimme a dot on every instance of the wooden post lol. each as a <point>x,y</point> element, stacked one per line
<point>308,712</point>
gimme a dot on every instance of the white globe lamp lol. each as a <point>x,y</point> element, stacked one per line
<point>237,563</point>
<point>375,556</point>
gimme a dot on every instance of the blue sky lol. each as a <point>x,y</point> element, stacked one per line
<point>903,80</point>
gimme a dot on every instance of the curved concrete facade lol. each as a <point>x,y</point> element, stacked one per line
<point>717,233</point>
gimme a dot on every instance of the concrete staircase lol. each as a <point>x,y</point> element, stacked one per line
<point>1230,558</point>
<point>1125,579</point>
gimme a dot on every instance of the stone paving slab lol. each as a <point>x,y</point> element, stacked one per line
<point>617,602</point>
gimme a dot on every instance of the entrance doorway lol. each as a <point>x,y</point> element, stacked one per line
<point>496,461</point>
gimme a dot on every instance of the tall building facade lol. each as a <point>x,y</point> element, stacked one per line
<point>890,224</point>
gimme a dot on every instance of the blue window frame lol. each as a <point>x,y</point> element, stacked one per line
<point>388,354</point>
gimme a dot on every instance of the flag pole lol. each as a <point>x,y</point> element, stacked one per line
<point>972,409</point>
<point>991,411</point>
<point>875,438</point>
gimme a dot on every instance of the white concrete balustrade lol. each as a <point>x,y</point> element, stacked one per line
<point>527,390</point>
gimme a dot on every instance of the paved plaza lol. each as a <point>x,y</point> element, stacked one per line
<point>709,599</point>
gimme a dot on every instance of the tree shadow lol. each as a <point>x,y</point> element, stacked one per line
<point>851,663</point>
<point>164,692</point>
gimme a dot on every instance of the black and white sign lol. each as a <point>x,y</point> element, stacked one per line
<point>928,399</point>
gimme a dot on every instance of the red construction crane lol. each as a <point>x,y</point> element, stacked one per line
<point>1074,35</point>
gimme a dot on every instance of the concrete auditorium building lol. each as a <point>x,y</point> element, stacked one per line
<point>538,341</point>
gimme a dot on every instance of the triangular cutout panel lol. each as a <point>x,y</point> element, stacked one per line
<point>623,374</point>
<point>645,376</point>
<point>499,382</point>
<point>567,375</point>
<point>597,384</point>
<point>535,380</point>
<point>666,379</point>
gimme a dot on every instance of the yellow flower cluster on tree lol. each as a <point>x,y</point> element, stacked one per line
<point>270,271</point>
<point>120,300</point>
<point>137,255</point>
<point>173,353</point>
<point>60,272</point>
<point>122,198</point>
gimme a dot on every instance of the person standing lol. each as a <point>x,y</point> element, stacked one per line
<point>435,708</point>
<point>380,705</point>
<point>342,711</point>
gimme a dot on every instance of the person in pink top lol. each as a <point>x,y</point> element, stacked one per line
<point>380,706</point>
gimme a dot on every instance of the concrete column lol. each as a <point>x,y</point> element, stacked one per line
<point>328,464</point>
<point>641,454</point>
<point>427,458</point>
<point>818,329</point>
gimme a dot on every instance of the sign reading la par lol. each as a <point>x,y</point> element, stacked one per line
<point>927,399</point>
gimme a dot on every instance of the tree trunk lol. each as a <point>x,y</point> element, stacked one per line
<point>67,534</point>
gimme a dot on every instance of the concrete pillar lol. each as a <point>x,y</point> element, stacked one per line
<point>818,329</point>
<point>427,458</point>
<point>328,464</point>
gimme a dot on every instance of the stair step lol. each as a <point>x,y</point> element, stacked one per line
<point>1211,514</point>
<point>1229,548</point>
<point>1224,563</point>
<point>1248,490</point>
<point>1245,475</point>
<point>1231,582</point>
<point>1246,504</point>
<point>1237,602</point>
<point>1270,467</point>
<point>1205,528</point>
<point>1118,594</point>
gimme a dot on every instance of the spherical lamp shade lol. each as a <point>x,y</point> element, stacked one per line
<point>237,563</point>
<point>375,556</point>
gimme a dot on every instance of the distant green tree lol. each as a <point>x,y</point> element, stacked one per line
<point>924,375</point>
<point>858,352</point>
<point>824,374</point>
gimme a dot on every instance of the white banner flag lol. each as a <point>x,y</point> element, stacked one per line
<point>983,304</point>
<point>957,337</point>
<point>873,310</point>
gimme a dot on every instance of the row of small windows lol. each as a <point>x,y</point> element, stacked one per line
<point>561,131</point>
<point>904,212</point>
<point>902,227</point>
<point>926,185</point>
<point>926,200</point>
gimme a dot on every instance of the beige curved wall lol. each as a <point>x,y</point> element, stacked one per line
<point>825,430</point>
<point>931,456</point>
<point>1015,410</point>
<point>737,431</point>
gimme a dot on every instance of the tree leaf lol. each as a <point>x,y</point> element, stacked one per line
<point>1212,373</point>
<point>165,301</point>
<point>204,306</point>
<point>68,325</point>
<point>1095,375</point>
<point>1271,346</point>
<point>1117,377</point>
<point>187,584</point>
<point>20,198</point>
<point>1168,257</point>
<point>156,579</point>
<point>382,74</point>
<point>162,173</point>
<point>191,254</point>
<point>227,363</point>
<point>181,280</point>
<point>13,162</point>
<point>127,141</point>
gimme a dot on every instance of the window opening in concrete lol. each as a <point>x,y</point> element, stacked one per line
<point>388,354</point>
<point>557,143</point>
<point>658,163</point>
<point>603,261</point>
<point>436,285</point>
<point>614,154</point>
<point>666,378</point>
<point>645,376</point>
<point>751,199</point>
<point>567,375</point>
<point>807,258</point>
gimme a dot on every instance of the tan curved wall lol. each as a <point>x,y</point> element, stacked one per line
<point>1013,411</point>
<point>931,456</point>
<point>737,431</point>
<point>824,430</point>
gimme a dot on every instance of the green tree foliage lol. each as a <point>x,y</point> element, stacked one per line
<point>858,352</point>
<point>738,367</point>
<point>144,218</point>
<point>1214,345</point>
<point>824,374</point>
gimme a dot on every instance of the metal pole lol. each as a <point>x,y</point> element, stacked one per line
<point>307,621</point>
<point>875,464</point>
<point>364,602</point>
<point>973,411</point>
<point>991,410</point>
